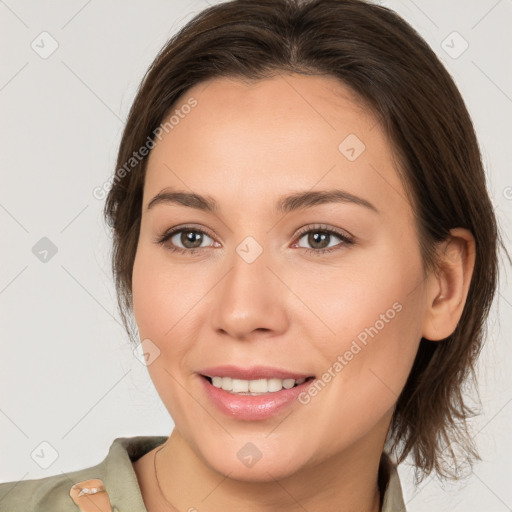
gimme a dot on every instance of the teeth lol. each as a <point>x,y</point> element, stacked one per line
<point>274,385</point>
<point>227,383</point>
<point>254,387</point>
<point>288,383</point>
<point>240,386</point>
<point>257,386</point>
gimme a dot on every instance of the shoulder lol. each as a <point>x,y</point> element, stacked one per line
<point>52,493</point>
<point>44,494</point>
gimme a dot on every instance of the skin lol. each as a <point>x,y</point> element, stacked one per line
<point>97,500</point>
<point>245,145</point>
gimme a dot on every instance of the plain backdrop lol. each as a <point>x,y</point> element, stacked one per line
<point>68,377</point>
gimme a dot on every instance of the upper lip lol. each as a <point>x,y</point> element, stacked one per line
<point>252,373</point>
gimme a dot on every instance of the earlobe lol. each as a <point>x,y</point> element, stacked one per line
<point>448,285</point>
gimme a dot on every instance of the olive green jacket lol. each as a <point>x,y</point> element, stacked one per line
<point>52,493</point>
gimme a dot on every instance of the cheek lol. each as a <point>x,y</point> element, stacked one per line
<point>369,360</point>
<point>160,297</point>
<point>374,313</point>
<point>167,303</point>
<point>146,296</point>
<point>160,311</point>
<point>370,295</point>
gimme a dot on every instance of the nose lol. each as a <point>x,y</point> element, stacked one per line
<point>250,300</point>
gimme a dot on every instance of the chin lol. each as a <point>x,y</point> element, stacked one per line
<point>260,461</point>
<point>261,472</point>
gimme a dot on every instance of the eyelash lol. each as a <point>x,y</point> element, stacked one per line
<point>346,240</point>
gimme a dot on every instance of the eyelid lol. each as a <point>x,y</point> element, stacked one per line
<point>176,229</point>
<point>346,238</point>
<point>324,227</point>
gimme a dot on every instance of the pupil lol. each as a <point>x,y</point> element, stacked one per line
<point>317,237</point>
<point>190,236</point>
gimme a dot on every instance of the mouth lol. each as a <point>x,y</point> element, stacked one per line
<point>254,387</point>
<point>255,393</point>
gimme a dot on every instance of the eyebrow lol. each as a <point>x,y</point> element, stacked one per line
<point>285,204</point>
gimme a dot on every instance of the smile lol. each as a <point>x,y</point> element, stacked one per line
<point>254,387</point>
<point>252,394</point>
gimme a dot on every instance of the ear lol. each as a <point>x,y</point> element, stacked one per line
<point>448,285</point>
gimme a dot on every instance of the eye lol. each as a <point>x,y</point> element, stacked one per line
<point>320,237</point>
<point>190,238</point>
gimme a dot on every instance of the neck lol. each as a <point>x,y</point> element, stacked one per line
<point>346,482</point>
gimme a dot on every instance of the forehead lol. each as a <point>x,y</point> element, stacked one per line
<point>282,92</point>
<point>245,140</point>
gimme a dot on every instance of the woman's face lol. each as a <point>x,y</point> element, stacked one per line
<point>308,267</point>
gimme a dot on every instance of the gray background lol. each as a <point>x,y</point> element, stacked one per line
<point>61,121</point>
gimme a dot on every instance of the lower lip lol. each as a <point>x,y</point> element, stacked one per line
<point>252,408</point>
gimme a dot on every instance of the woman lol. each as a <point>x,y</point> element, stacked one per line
<point>303,234</point>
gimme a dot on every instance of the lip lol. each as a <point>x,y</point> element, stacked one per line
<point>248,407</point>
<point>252,373</point>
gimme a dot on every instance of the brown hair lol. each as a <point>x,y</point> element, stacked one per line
<point>395,73</point>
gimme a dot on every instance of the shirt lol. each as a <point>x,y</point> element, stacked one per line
<point>52,493</point>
